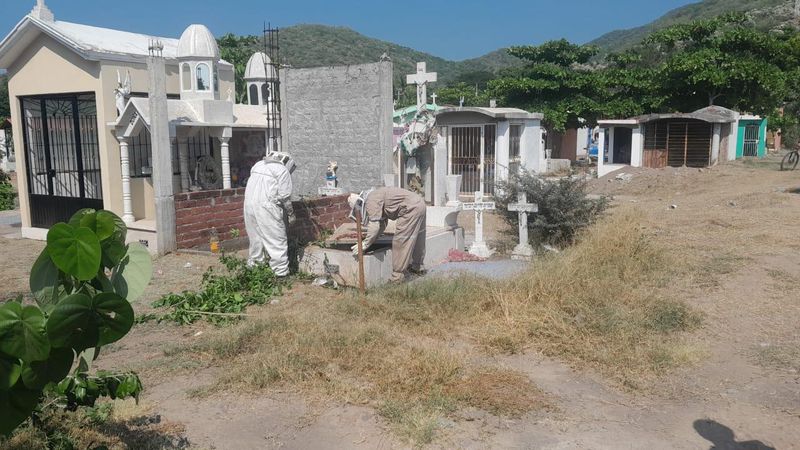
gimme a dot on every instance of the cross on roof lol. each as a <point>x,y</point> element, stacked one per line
<point>421,79</point>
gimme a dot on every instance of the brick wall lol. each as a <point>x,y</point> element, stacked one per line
<point>196,213</point>
<point>341,114</point>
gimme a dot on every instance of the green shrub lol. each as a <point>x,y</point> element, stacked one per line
<point>83,283</point>
<point>7,193</point>
<point>564,207</point>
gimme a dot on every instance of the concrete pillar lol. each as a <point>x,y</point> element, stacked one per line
<point>611,145</point>
<point>183,163</point>
<point>162,156</point>
<point>733,140</point>
<point>125,167</point>
<point>502,151</point>
<point>601,150</point>
<point>637,146</point>
<point>715,141</point>
<point>532,157</point>
<point>225,156</point>
<point>440,163</point>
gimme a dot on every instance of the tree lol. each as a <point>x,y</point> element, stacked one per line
<point>723,61</point>
<point>452,95</point>
<point>237,50</point>
<point>558,81</point>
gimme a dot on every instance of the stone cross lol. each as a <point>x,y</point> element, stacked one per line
<point>479,247</point>
<point>421,79</point>
<point>433,96</point>
<point>523,250</point>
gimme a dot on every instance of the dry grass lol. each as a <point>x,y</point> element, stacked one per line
<point>597,304</point>
<point>601,303</point>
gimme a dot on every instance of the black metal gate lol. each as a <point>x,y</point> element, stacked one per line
<point>62,156</point>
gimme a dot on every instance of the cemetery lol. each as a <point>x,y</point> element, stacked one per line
<point>212,243</point>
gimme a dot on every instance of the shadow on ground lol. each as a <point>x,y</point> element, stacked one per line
<point>723,438</point>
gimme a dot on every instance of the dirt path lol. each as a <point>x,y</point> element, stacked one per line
<point>738,222</point>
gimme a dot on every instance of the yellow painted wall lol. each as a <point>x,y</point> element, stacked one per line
<point>48,67</point>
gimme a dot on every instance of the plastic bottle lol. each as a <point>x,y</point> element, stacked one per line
<point>213,241</point>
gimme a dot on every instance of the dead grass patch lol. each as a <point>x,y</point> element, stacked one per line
<point>599,303</point>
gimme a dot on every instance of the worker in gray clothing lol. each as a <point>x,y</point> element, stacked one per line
<point>407,208</point>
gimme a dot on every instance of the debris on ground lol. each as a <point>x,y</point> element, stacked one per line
<point>624,177</point>
<point>673,207</point>
<point>325,282</point>
<point>462,256</point>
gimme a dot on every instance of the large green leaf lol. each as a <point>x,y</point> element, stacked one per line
<point>114,316</point>
<point>71,323</point>
<point>80,215</point>
<point>75,251</point>
<point>10,370</point>
<point>81,322</point>
<point>105,225</point>
<point>133,274</point>
<point>113,252</point>
<point>44,281</point>
<point>17,404</point>
<point>22,332</point>
<point>37,375</point>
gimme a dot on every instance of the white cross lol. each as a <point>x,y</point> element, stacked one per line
<point>479,247</point>
<point>523,208</point>
<point>433,96</point>
<point>421,79</point>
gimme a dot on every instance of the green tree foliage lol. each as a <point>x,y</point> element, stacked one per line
<point>556,81</point>
<point>237,50</point>
<point>5,106</point>
<point>472,95</point>
<point>83,283</point>
<point>723,61</point>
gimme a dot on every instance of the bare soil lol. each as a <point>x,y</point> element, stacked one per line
<point>737,222</point>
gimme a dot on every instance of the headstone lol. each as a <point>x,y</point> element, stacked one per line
<point>421,79</point>
<point>479,247</point>
<point>523,250</point>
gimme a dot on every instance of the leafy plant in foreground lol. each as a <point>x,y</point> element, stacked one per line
<point>83,283</point>
<point>223,297</point>
<point>7,193</point>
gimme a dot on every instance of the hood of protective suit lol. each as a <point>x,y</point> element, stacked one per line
<point>269,182</point>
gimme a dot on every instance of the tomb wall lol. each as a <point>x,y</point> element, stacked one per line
<point>341,114</point>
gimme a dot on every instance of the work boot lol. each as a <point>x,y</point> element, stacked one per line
<point>397,277</point>
<point>420,270</point>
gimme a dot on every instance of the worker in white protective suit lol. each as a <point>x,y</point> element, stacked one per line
<point>408,209</point>
<point>268,188</point>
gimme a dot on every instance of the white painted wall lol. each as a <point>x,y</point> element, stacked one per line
<point>532,154</point>
<point>715,140</point>
<point>502,148</point>
<point>637,146</point>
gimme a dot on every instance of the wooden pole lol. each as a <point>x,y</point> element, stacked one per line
<point>361,282</point>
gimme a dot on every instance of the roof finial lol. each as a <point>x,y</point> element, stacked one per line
<point>42,12</point>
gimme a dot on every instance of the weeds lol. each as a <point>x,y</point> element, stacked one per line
<point>223,298</point>
<point>7,193</point>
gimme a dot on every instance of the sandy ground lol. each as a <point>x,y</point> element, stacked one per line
<point>739,221</point>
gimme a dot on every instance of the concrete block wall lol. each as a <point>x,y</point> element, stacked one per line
<point>341,114</point>
<point>198,212</point>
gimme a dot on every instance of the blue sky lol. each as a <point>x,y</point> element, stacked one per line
<point>453,29</point>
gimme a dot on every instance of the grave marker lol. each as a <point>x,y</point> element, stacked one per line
<point>523,250</point>
<point>421,79</point>
<point>479,247</point>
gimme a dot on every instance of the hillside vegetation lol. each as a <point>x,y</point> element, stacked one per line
<point>766,14</point>
<point>321,45</point>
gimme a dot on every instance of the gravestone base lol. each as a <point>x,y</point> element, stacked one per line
<point>378,263</point>
<point>481,250</point>
<point>522,252</point>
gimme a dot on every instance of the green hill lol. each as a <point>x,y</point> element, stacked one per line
<point>766,14</point>
<point>320,45</point>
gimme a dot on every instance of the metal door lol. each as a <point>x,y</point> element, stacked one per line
<point>751,140</point>
<point>62,156</point>
<point>472,155</point>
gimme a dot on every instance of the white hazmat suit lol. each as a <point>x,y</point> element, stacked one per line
<point>269,186</point>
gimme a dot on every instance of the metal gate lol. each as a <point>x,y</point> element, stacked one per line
<point>751,140</point>
<point>472,155</point>
<point>62,156</point>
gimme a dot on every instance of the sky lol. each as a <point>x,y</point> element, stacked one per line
<point>452,29</point>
